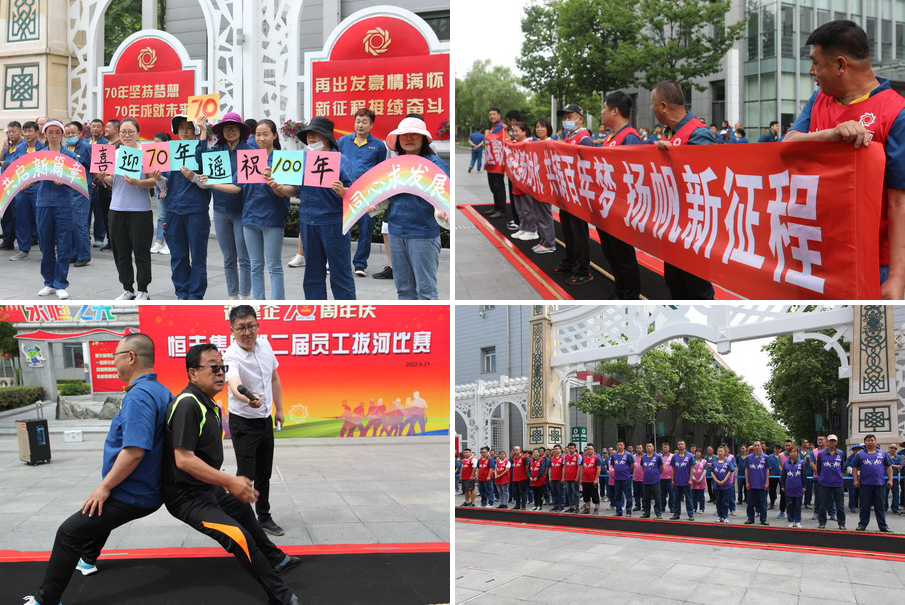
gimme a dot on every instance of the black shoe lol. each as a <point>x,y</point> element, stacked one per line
<point>579,278</point>
<point>764,523</point>
<point>560,270</point>
<point>618,514</point>
<point>674,517</point>
<point>885,529</point>
<point>80,263</point>
<point>287,564</point>
<point>7,247</point>
<point>860,528</point>
<point>821,526</point>
<point>502,506</point>
<point>584,512</point>
<point>842,527</point>
<point>645,516</point>
<point>659,517</point>
<point>387,273</point>
<point>469,169</point>
<point>272,528</point>
<point>749,522</point>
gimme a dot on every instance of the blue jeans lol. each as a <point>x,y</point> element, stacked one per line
<point>697,498</point>
<point>818,501</point>
<point>25,227</point>
<point>265,244</point>
<point>363,251</point>
<point>757,501</point>
<point>187,236</point>
<point>895,495</point>
<point>100,230</point>
<point>476,156</point>
<point>622,489</point>
<point>81,239</point>
<point>558,494</point>
<point>668,496</point>
<point>415,263</point>
<point>323,243</point>
<point>571,489</point>
<point>828,496</point>
<point>853,493</point>
<point>55,237</point>
<point>236,266</point>
<point>637,491</point>
<point>503,490</point>
<point>872,495</point>
<point>793,509</point>
<point>722,498</point>
<point>486,489</point>
<point>808,490</point>
<point>161,217</point>
<point>651,491</point>
<point>683,492</point>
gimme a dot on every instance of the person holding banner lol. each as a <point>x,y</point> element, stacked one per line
<point>363,152</point>
<point>542,213</point>
<point>495,179</point>
<point>668,103</point>
<point>17,219</point>
<point>617,107</point>
<point>160,242</point>
<point>188,225</point>
<point>264,213</point>
<point>130,221</point>
<point>104,189</point>
<point>577,262</point>
<point>54,209</point>
<point>81,211</point>
<point>848,92</point>
<point>232,135</point>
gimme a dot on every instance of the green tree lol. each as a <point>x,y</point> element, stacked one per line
<point>632,394</point>
<point>804,381</point>
<point>684,39</point>
<point>122,19</point>
<point>486,85</point>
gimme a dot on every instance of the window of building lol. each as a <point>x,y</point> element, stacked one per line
<point>752,35</point>
<point>806,23</point>
<point>439,22</point>
<point>718,105</point>
<point>787,40</point>
<point>487,307</point>
<point>72,356</point>
<point>886,40</point>
<point>488,360</point>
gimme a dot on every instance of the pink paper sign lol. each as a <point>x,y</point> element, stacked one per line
<point>251,164</point>
<point>103,158</point>
<point>321,168</point>
<point>156,156</point>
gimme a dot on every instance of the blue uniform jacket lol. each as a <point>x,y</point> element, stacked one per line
<point>262,206</point>
<point>52,195</point>
<point>228,203</point>
<point>320,205</point>
<point>183,196</point>
<point>410,216</point>
<point>361,159</point>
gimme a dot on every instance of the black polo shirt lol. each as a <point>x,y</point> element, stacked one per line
<point>193,422</point>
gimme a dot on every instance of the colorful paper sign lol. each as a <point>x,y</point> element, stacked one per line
<point>251,164</point>
<point>103,157</point>
<point>104,377</point>
<point>182,153</point>
<point>289,167</point>
<point>41,166</point>
<point>322,168</point>
<point>401,174</point>
<point>217,167</point>
<point>128,161</point>
<point>204,105</point>
<point>780,221</point>
<point>156,157</point>
<point>403,350</point>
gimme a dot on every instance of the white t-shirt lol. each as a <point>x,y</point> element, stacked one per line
<point>255,370</point>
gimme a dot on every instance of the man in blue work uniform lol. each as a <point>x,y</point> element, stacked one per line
<point>81,207</point>
<point>363,151</point>
<point>131,485</point>
<point>476,140</point>
<point>198,493</point>
<point>12,148</point>
<point>772,135</point>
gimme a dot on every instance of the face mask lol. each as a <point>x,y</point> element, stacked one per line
<point>316,146</point>
<point>568,125</point>
<point>72,140</point>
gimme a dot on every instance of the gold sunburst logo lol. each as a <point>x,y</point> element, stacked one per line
<point>147,58</point>
<point>376,41</point>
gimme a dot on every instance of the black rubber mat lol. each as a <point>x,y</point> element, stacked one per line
<point>409,578</point>
<point>811,538</point>
<point>652,284</point>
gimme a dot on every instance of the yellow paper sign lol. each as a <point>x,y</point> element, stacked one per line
<point>204,105</point>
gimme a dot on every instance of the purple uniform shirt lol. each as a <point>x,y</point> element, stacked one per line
<point>756,469</point>
<point>829,466</point>
<point>792,475</point>
<point>622,465</point>
<point>651,466</point>
<point>720,471</point>
<point>681,467</point>
<point>871,467</point>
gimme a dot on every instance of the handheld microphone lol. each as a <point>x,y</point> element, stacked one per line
<point>241,388</point>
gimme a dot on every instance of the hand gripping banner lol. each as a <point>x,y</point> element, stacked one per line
<point>41,166</point>
<point>765,221</point>
<point>494,151</point>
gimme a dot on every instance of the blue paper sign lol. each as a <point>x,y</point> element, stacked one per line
<point>128,162</point>
<point>217,167</point>
<point>288,167</point>
<point>182,153</point>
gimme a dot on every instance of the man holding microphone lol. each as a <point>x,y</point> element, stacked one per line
<point>255,393</point>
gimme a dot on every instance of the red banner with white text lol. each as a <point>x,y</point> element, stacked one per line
<point>787,221</point>
<point>494,156</point>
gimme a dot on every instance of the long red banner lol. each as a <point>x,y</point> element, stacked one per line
<point>765,221</point>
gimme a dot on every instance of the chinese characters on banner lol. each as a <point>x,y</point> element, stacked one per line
<point>494,159</point>
<point>104,378</point>
<point>339,364</point>
<point>797,220</point>
<point>384,64</point>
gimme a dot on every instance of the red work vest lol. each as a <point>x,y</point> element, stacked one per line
<point>570,466</point>
<point>483,469</point>
<point>467,469</point>
<point>617,138</point>
<point>681,137</point>
<point>518,469</point>
<point>535,472</point>
<point>587,469</point>
<point>576,136</point>
<point>556,467</point>
<point>877,114</point>
<point>503,478</point>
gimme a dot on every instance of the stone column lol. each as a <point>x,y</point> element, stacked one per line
<point>872,389</point>
<point>545,419</point>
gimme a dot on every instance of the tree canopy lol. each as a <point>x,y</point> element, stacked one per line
<point>486,85</point>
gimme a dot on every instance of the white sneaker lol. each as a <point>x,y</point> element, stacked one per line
<point>517,234</point>
<point>797,524</point>
<point>541,249</point>
<point>297,261</point>
<point>126,295</point>
<point>791,525</point>
<point>46,291</point>
<point>530,235</point>
<point>245,297</point>
<point>62,294</point>
<point>142,296</point>
<point>165,249</point>
<point>157,247</point>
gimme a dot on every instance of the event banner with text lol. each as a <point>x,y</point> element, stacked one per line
<point>347,370</point>
<point>765,221</point>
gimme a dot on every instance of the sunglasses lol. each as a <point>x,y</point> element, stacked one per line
<point>216,369</point>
